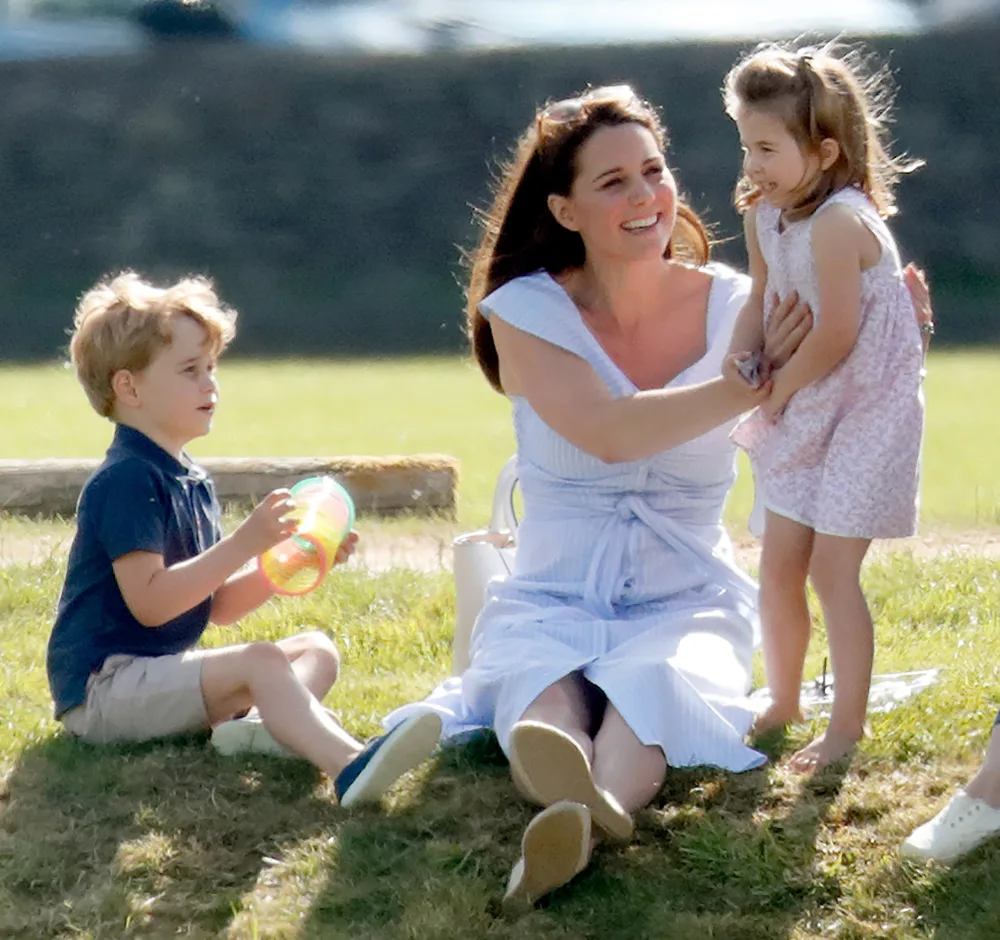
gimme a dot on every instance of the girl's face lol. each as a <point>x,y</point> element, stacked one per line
<point>623,201</point>
<point>773,160</point>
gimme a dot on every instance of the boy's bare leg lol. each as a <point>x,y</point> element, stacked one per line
<point>234,678</point>
<point>835,572</point>
<point>784,615</point>
<point>314,660</point>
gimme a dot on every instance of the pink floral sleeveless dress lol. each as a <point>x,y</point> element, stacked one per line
<point>844,456</point>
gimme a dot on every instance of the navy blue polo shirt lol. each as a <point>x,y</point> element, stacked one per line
<point>139,499</point>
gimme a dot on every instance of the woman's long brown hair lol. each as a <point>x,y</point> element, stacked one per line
<point>520,235</point>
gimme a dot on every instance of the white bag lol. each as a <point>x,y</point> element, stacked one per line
<point>479,557</point>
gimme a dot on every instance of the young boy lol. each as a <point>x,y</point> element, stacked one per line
<point>149,566</point>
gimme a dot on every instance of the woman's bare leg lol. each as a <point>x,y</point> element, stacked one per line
<point>564,706</point>
<point>784,614</point>
<point>631,771</point>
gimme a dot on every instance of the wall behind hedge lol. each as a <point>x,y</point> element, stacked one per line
<point>330,197</point>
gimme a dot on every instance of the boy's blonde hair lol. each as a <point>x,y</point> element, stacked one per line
<point>123,321</point>
<point>822,92</point>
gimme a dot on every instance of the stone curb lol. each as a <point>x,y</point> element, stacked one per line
<point>422,484</point>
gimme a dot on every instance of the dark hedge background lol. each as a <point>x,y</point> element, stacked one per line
<point>331,197</point>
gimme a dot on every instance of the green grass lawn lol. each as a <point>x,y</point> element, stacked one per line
<point>169,839</point>
<point>445,406</point>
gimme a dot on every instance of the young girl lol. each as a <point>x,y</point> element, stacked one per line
<point>836,447</point>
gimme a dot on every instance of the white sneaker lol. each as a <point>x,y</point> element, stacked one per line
<point>962,825</point>
<point>246,735</point>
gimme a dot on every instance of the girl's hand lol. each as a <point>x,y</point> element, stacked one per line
<point>788,324</point>
<point>776,402</point>
<point>346,548</point>
<point>740,381</point>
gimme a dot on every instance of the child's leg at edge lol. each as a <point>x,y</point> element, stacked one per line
<point>281,679</point>
<point>985,785</point>
<point>835,572</point>
<point>784,614</point>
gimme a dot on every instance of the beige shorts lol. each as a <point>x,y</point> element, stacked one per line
<point>135,698</point>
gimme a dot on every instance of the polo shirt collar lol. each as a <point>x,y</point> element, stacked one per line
<point>131,442</point>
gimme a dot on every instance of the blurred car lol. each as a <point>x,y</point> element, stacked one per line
<point>419,25</point>
<point>415,26</point>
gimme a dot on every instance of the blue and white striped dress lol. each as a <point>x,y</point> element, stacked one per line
<point>623,572</point>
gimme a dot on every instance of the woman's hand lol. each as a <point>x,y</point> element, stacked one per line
<point>916,283</point>
<point>787,326</point>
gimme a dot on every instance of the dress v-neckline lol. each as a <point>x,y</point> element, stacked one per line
<point>709,335</point>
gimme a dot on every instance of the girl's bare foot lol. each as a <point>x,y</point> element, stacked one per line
<point>775,716</point>
<point>828,747</point>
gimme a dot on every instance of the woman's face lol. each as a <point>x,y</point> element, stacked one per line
<point>623,201</point>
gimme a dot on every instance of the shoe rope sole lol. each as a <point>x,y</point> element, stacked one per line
<point>554,849</point>
<point>554,768</point>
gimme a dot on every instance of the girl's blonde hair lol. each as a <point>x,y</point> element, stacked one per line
<point>822,92</point>
<point>520,234</point>
<point>123,321</point>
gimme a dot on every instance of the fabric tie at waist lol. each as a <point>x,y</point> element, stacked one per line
<point>602,586</point>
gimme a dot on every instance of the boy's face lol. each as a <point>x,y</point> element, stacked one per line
<point>173,399</point>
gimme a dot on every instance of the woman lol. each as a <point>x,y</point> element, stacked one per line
<point>622,642</point>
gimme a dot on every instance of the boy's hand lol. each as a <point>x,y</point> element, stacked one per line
<point>346,548</point>
<point>268,524</point>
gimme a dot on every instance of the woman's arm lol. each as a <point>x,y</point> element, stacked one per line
<point>570,398</point>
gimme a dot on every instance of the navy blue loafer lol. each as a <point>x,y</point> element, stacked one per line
<point>386,758</point>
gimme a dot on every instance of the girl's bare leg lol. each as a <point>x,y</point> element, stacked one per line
<point>784,614</point>
<point>835,572</point>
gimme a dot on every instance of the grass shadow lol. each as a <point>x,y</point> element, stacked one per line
<point>957,902</point>
<point>705,862</point>
<point>144,840</point>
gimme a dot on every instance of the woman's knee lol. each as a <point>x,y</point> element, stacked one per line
<point>564,703</point>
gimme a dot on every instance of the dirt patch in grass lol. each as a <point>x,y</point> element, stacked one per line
<point>380,550</point>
